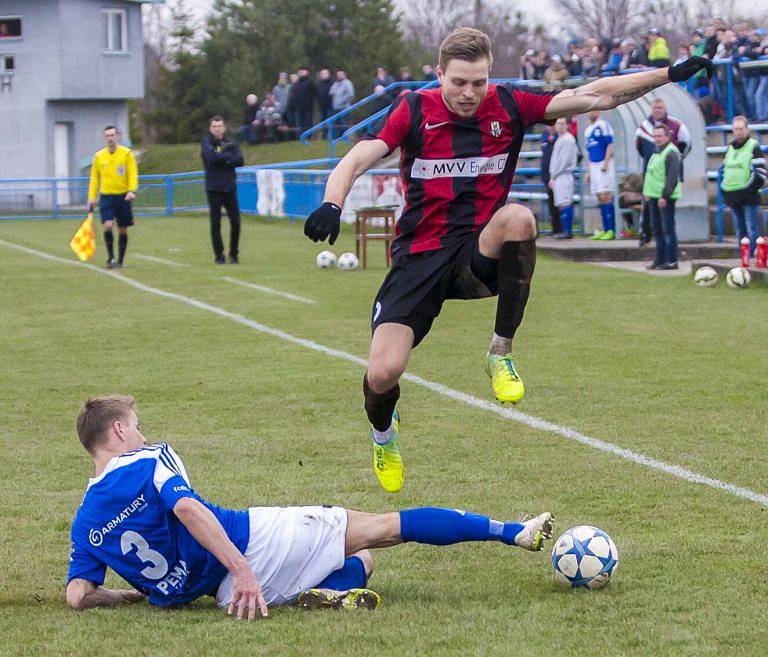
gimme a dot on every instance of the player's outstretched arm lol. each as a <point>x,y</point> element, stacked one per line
<point>607,93</point>
<point>207,530</point>
<point>82,594</point>
<point>325,221</point>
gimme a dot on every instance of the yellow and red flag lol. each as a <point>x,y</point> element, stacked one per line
<point>84,241</point>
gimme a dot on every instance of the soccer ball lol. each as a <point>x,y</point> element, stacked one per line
<point>584,557</point>
<point>737,278</point>
<point>705,277</point>
<point>347,261</point>
<point>326,259</point>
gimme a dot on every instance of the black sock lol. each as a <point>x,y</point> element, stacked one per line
<point>109,240</point>
<point>122,240</point>
<point>380,406</point>
<point>516,265</point>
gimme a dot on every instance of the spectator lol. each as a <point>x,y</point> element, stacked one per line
<point>749,50</point>
<point>303,93</point>
<point>630,55</point>
<point>342,92</point>
<point>280,92</point>
<point>712,39</point>
<point>220,158</point>
<point>324,100</point>
<point>615,55</point>
<point>405,75</point>
<point>662,189</point>
<point>574,63</point>
<point>382,99</point>
<point>548,139</point>
<point>728,50</point>
<point>646,146</point>
<point>601,176</point>
<point>269,121</point>
<point>744,173</point>
<point>658,54</point>
<point>429,73</point>
<point>697,43</point>
<point>383,78</point>
<point>527,67</point>
<point>247,131</point>
<point>342,95</point>
<point>761,104</point>
<point>561,167</point>
<point>540,64</point>
<point>291,109</point>
<point>683,53</point>
<point>556,74</point>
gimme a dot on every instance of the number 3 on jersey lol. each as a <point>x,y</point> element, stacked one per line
<point>158,565</point>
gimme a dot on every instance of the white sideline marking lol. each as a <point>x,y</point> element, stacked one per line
<point>269,290</point>
<point>172,263</point>
<point>508,413</point>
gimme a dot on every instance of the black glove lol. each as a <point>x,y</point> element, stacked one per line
<point>690,67</point>
<point>323,223</point>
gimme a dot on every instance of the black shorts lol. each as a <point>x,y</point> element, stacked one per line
<point>114,206</point>
<point>417,285</point>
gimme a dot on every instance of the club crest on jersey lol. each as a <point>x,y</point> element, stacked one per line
<point>495,129</point>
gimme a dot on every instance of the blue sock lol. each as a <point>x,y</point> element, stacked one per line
<point>437,526</point>
<point>608,217</point>
<point>566,217</point>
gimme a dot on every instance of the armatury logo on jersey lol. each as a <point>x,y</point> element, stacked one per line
<point>96,536</point>
<point>460,167</point>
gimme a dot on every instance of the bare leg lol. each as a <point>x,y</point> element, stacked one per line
<point>371,530</point>
<point>390,350</point>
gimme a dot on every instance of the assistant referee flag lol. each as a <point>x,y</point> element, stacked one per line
<point>83,243</point>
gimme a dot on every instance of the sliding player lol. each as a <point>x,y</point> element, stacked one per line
<point>456,238</point>
<point>141,518</point>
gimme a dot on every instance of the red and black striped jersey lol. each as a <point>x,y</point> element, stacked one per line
<point>456,172</point>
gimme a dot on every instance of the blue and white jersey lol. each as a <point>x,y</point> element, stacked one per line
<point>126,522</point>
<point>597,136</point>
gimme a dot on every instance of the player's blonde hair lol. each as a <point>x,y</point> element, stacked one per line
<point>98,414</point>
<point>465,43</point>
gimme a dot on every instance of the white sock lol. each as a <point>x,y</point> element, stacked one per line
<point>383,437</point>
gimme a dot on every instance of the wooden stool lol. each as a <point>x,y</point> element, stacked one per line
<point>362,236</point>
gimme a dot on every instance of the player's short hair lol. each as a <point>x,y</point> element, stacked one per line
<point>215,118</point>
<point>742,118</point>
<point>98,414</point>
<point>110,127</point>
<point>662,126</point>
<point>465,43</point>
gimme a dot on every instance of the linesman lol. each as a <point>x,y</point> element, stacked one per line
<point>114,181</point>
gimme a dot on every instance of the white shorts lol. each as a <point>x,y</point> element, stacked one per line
<point>563,189</point>
<point>601,181</point>
<point>291,549</point>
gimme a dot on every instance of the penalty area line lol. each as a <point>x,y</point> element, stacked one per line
<point>508,413</point>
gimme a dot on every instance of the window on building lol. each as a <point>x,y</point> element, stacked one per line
<point>7,64</point>
<point>115,30</point>
<point>10,27</point>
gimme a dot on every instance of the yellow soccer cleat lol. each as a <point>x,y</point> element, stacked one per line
<point>329,599</point>
<point>387,462</point>
<point>506,383</point>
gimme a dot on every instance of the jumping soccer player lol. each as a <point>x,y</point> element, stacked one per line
<point>141,518</point>
<point>456,238</point>
<point>114,180</point>
<point>601,176</point>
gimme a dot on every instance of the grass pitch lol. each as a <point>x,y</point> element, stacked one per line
<point>658,366</point>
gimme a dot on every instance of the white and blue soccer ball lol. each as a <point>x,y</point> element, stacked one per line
<point>585,557</point>
<point>705,277</point>
<point>326,259</point>
<point>347,262</point>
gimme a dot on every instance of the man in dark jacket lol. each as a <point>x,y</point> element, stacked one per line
<point>303,93</point>
<point>324,100</point>
<point>220,158</point>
